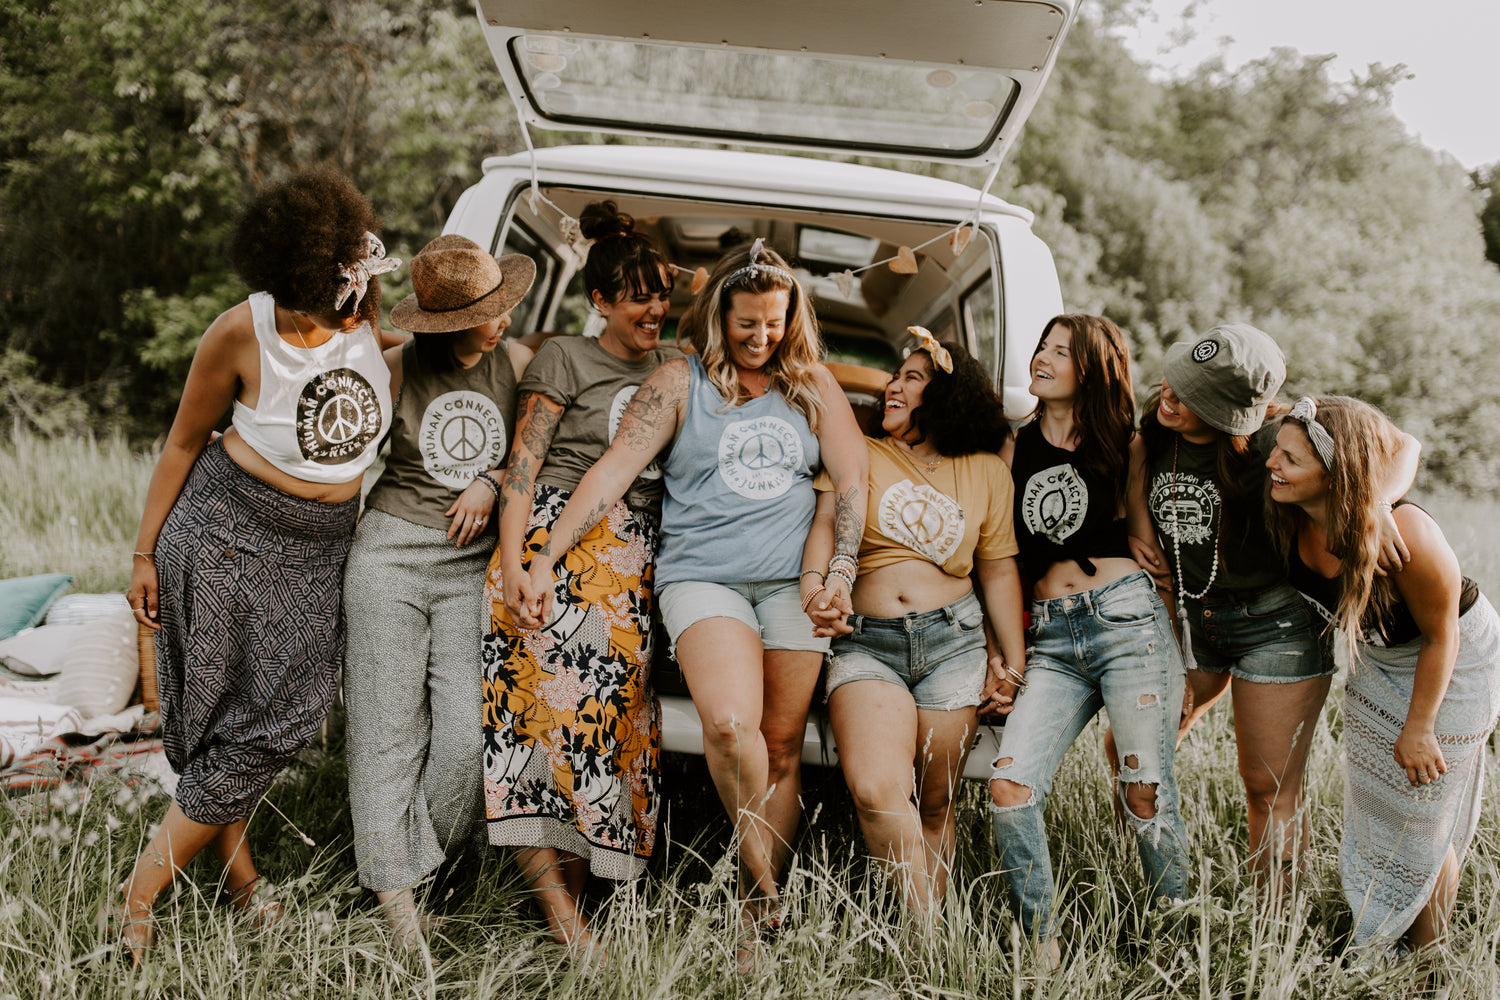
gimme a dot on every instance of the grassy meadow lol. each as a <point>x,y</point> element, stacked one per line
<point>72,506</point>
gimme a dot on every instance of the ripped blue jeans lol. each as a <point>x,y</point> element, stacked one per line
<point>1113,648</point>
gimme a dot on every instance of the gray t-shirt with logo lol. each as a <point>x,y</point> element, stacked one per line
<point>447,429</point>
<point>592,386</point>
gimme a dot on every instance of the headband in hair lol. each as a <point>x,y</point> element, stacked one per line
<point>1306,414</point>
<point>755,270</point>
<point>354,278</point>
<point>927,342</point>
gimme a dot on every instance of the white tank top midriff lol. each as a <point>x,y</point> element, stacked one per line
<point>322,411</point>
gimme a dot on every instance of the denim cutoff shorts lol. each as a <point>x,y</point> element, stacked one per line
<point>773,608</point>
<point>937,655</point>
<point>1265,636</point>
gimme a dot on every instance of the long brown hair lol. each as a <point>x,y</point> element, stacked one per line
<point>1104,404</point>
<point>1364,445</point>
<point>792,364</point>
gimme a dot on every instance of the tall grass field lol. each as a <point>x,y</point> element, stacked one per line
<point>73,505</point>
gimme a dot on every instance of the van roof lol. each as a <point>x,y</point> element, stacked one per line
<point>702,172</point>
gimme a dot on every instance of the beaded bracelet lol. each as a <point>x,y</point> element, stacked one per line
<point>489,481</point>
<point>842,574</point>
<point>807,601</point>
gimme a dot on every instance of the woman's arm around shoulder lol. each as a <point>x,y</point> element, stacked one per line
<point>220,363</point>
<point>1393,550</point>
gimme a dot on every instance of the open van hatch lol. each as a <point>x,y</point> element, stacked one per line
<point>945,80</point>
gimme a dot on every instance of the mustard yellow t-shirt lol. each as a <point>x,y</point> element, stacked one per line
<point>960,511</point>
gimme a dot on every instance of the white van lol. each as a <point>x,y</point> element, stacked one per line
<point>939,80</point>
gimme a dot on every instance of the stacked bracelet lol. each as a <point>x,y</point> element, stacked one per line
<point>1015,675</point>
<point>843,566</point>
<point>807,601</point>
<point>489,480</point>
<point>145,555</point>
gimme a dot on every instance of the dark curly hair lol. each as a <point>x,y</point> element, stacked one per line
<point>960,413</point>
<point>293,236</point>
<point>621,262</point>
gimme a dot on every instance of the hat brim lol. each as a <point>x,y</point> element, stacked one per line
<point>517,272</point>
<point>1199,395</point>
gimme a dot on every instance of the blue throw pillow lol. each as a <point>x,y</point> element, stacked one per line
<point>24,600</point>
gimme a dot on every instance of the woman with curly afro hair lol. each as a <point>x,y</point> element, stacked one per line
<point>240,556</point>
<point>907,675</point>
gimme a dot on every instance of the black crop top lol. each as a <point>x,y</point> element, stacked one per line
<point>1395,628</point>
<point>1063,511</point>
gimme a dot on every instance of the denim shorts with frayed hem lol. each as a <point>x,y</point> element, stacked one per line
<point>1265,636</point>
<point>772,608</point>
<point>937,655</point>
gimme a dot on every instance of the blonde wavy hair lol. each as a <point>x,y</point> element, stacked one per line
<point>793,365</point>
<point>1365,443</point>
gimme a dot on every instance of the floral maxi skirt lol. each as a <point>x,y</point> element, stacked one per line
<point>572,732</point>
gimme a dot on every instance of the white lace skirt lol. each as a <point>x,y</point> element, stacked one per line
<point>1396,836</point>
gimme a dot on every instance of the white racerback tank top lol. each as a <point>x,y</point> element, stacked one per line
<point>322,410</point>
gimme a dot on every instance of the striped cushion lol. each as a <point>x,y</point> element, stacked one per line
<point>79,609</point>
<point>100,667</point>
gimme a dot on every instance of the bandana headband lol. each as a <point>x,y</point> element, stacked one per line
<point>755,270</point>
<point>1306,414</point>
<point>927,342</point>
<point>354,279</point>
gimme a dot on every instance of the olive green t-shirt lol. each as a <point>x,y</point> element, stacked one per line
<point>592,386</point>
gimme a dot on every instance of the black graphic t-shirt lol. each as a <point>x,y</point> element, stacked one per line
<point>1062,510</point>
<point>1187,508</point>
<point>448,428</point>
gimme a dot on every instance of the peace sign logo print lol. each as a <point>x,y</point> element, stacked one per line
<point>758,458</point>
<point>338,415</point>
<point>1054,503</point>
<point>921,518</point>
<point>462,434</point>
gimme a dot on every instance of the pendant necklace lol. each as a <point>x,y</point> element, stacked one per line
<point>297,329</point>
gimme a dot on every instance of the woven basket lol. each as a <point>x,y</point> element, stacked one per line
<point>146,642</point>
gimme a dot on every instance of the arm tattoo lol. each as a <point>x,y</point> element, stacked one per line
<point>590,519</point>
<point>518,479</point>
<point>848,523</point>
<point>538,423</point>
<point>652,407</point>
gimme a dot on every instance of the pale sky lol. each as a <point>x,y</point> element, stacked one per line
<point>1452,101</point>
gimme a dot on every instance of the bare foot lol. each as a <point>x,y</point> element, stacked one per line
<point>258,904</point>
<point>1049,956</point>
<point>136,928</point>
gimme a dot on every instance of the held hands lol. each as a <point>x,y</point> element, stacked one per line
<point>470,513</point>
<point>1000,687</point>
<point>142,591</point>
<point>528,606</point>
<point>1417,751</point>
<point>827,603</point>
<point>1149,558</point>
<point>1391,552</point>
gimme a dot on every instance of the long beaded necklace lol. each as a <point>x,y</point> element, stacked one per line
<point>1183,594</point>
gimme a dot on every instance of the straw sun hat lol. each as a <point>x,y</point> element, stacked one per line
<point>457,286</point>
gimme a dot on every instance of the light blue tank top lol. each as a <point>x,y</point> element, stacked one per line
<point>739,496</point>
